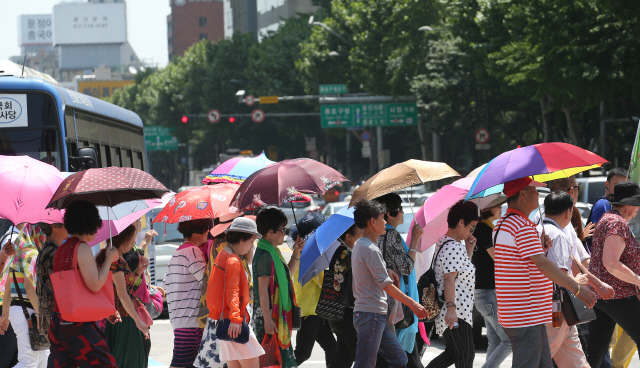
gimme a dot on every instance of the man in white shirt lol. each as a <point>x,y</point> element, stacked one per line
<point>564,342</point>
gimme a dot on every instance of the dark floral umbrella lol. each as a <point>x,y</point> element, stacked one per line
<point>107,187</point>
<point>285,182</point>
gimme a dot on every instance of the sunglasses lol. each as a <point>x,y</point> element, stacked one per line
<point>473,228</point>
<point>575,186</point>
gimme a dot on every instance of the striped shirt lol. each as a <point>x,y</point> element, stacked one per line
<point>182,283</point>
<point>524,293</point>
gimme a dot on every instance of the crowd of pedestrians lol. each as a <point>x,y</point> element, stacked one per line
<point>234,300</point>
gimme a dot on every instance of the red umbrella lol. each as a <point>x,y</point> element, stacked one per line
<point>285,182</point>
<point>107,187</point>
<point>206,202</point>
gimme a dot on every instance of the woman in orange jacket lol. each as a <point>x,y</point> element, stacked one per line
<point>228,294</point>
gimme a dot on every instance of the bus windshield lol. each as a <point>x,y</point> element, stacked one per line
<point>39,137</point>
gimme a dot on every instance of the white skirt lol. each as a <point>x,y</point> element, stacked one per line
<point>230,350</point>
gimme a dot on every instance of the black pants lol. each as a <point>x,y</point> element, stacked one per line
<point>459,348</point>
<point>624,312</point>
<point>583,330</point>
<point>8,348</point>
<point>314,329</point>
<point>347,341</point>
<point>147,349</point>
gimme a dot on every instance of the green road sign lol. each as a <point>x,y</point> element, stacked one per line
<point>371,114</point>
<point>158,138</point>
<point>328,89</point>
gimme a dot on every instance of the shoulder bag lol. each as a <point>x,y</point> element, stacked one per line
<point>222,326</point>
<point>575,312</point>
<point>407,321</point>
<point>38,341</point>
<point>74,299</point>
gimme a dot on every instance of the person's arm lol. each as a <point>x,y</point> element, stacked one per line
<point>403,298</point>
<point>270,327</point>
<point>395,255</point>
<point>416,235</point>
<point>613,247</point>
<point>450,298</point>
<point>561,278</point>
<point>93,278</point>
<point>147,239</point>
<point>8,249</point>
<point>6,304</point>
<point>31,293</point>
<point>127,303</point>
<point>294,262</point>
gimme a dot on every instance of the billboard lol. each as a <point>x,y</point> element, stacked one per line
<point>89,23</point>
<point>35,29</point>
<point>102,89</point>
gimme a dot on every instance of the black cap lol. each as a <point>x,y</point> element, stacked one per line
<point>626,193</point>
<point>307,225</point>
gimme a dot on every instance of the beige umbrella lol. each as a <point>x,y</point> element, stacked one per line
<point>476,171</point>
<point>400,176</point>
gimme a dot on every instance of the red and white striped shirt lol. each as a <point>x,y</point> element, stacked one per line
<point>524,293</point>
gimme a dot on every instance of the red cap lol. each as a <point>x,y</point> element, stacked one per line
<point>513,187</point>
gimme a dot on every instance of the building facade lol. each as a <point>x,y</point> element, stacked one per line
<point>191,21</point>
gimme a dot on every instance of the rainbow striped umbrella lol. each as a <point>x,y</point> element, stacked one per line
<point>237,169</point>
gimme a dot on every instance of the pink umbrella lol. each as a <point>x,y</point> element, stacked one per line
<point>27,187</point>
<point>113,227</point>
<point>432,216</point>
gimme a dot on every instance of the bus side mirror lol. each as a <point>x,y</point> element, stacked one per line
<point>86,158</point>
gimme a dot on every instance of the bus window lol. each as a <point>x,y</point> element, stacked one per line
<point>96,146</point>
<point>127,159</point>
<point>104,155</point>
<point>115,157</point>
<point>70,126</point>
<point>137,160</point>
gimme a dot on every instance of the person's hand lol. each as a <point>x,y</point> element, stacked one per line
<point>547,243</point>
<point>112,254</point>
<point>142,264</point>
<point>4,324</point>
<point>270,327</point>
<point>114,318</point>
<point>451,317</point>
<point>583,280</point>
<point>418,310</point>
<point>605,291</point>
<point>416,231</point>
<point>149,235</point>
<point>471,240</point>
<point>143,328</point>
<point>9,249</point>
<point>298,246</point>
<point>234,330</point>
<point>588,230</point>
<point>587,297</point>
<point>394,277</point>
<point>162,291</point>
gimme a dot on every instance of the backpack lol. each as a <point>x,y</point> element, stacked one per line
<point>428,290</point>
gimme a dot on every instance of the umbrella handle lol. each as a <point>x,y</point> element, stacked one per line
<point>410,204</point>
<point>295,221</point>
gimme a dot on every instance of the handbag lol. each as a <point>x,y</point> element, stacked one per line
<point>296,318</point>
<point>38,341</point>
<point>154,307</point>
<point>428,289</point>
<point>74,299</point>
<point>222,325</point>
<point>575,312</point>
<point>407,321</point>
<point>272,358</point>
<point>144,315</point>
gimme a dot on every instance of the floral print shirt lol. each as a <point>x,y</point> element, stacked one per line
<point>130,279</point>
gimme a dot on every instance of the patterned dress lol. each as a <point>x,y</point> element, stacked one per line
<point>44,289</point>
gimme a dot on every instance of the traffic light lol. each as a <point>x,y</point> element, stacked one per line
<point>185,119</point>
<point>232,119</point>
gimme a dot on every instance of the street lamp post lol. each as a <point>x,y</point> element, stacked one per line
<point>326,27</point>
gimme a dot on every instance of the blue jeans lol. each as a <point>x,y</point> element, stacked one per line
<point>499,344</point>
<point>375,336</point>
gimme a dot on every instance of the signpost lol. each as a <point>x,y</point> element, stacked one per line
<point>369,114</point>
<point>257,116</point>
<point>482,137</point>
<point>327,89</point>
<point>365,136</point>
<point>310,143</point>
<point>158,138</point>
<point>213,116</point>
<point>268,99</point>
<point>249,100</point>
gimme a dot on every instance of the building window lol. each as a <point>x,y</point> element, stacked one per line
<point>203,21</point>
<point>203,36</point>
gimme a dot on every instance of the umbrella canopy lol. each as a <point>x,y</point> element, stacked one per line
<point>107,186</point>
<point>544,162</point>
<point>432,216</point>
<point>286,181</point>
<point>319,248</point>
<point>113,226</point>
<point>400,176</point>
<point>222,223</point>
<point>27,186</point>
<point>237,169</point>
<point>206,202</point>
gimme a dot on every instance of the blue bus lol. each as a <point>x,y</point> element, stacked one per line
<point>67,129</point>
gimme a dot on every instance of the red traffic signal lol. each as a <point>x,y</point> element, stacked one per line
<point>232,119</point>
<point>185,119</point>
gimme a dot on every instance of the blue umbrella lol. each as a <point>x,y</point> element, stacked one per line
<point>319,248</point>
